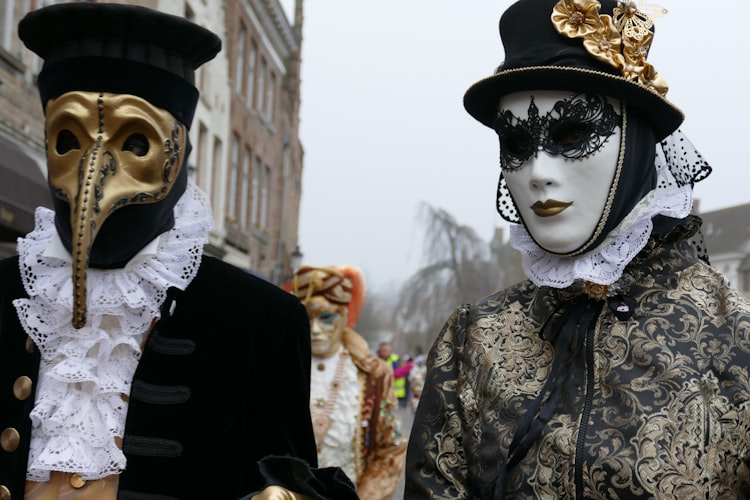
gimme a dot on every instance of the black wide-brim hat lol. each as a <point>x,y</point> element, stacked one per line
<point>119,48</point>
<point>537,57</point>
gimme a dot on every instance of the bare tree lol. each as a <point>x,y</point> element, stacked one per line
<point>459,268</point>
<point>376,320</point>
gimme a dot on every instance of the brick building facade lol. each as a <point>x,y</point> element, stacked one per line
<point>265,155</point>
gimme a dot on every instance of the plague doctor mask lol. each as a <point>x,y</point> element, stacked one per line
<point>117,88</point>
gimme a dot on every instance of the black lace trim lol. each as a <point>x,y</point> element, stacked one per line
<point>574,128</point>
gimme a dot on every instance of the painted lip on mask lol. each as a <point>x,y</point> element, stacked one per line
<point>550,207</point>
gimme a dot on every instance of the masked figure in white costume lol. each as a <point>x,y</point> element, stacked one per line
<point>353,406</point>
<point>619,369</point>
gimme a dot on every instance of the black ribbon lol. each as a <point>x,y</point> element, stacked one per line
<point>566,329</point>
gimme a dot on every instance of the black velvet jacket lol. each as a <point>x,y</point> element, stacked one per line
<point>222,382</point>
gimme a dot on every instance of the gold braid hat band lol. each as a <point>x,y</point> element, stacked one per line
<point>621,40</point>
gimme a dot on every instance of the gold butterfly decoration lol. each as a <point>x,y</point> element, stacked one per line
<point>652,10</point>
<point>635,19</point>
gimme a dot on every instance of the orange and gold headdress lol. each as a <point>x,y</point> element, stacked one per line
<point>344,285</point>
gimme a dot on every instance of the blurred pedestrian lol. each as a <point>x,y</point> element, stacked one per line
<point>416,381</point>
<point>400,369</point>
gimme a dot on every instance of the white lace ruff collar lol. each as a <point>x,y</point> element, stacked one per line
<point>79,408</point>
<point>605,264</point>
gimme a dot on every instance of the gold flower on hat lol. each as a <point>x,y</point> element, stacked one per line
<point>578,18</point>
<point>605,44</point>
<point>621,40</point>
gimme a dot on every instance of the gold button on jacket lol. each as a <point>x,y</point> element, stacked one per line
<point>76,481</point>
<point>22,388</point>
<point>9,439</point>
<point>29,345</point>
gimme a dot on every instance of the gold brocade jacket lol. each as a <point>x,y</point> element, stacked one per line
<point>656,404</point>
<point>379,446</point>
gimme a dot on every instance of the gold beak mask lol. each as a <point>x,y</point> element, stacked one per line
<point>104,152</point>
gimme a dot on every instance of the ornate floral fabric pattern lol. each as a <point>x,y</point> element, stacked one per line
<point>655,405</point>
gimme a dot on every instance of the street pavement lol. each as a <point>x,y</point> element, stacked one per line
<point>407,418</point>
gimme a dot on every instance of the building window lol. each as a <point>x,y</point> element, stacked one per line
<point>244,188</point>
<point>270,97</point>
<point>201,154</point>
<point>6,23</point>
<point>10,12</point>
<point>251,57</point>
<point>199,73</point>
<point>264,196</point>
<point>257,172</point>
<point>215,162</point>
<point>234,168</point>
<point>261,105</point>
<point>239,61</point>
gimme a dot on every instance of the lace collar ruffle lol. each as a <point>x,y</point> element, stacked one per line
<point>605,264</point>
<point>79,408</point>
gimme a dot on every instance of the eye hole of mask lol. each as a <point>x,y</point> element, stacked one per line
<point>518,143</point>
<point>328,317</point>
<point>136,144</point>
<point>569,134</point>
<point>66,141</point>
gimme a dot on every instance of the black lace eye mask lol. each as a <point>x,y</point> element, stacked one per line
<point>574,128</point>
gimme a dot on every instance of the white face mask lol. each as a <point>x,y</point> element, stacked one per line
<point>559,154</point>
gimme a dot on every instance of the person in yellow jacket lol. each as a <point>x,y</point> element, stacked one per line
<point>400,372</point>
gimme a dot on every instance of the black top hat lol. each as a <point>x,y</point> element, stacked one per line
<point>123,49</point>
<point>539,57</point>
